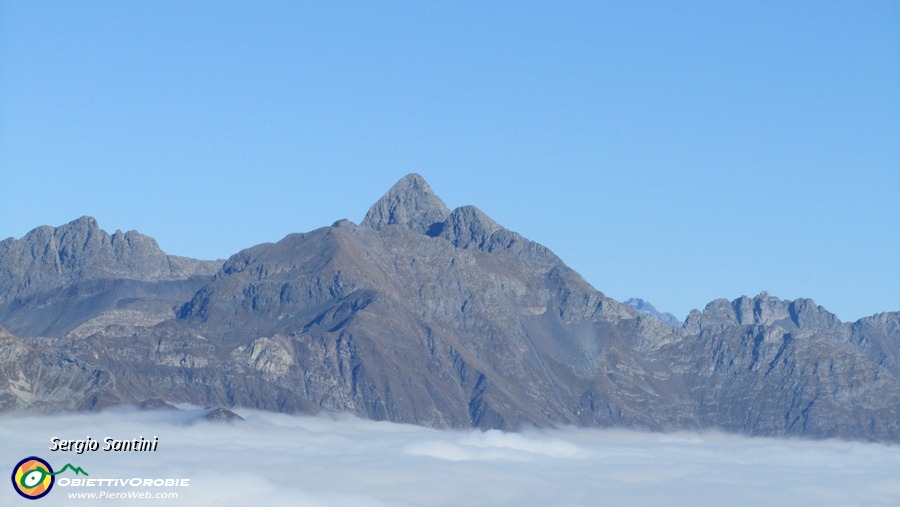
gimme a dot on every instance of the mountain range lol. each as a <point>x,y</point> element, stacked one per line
<point>426,315</point>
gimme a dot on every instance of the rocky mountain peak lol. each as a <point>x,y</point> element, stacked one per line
<point>410,203</point>
<point>47,258</point>
<point>762,310</point>
<point>468,226</point>
<point>83,223</point>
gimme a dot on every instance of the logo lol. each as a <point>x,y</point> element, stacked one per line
<point>33,477</point>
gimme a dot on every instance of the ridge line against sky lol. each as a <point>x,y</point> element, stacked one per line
<point>677,153</point>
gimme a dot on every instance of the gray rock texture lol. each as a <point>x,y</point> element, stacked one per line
<point>410,203</point>
<point>55,279</point>
<point>429,316</point>
<point>38,379</point>
<point>767,366</point>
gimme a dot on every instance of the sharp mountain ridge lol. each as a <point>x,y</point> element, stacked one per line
<point>425,315</point>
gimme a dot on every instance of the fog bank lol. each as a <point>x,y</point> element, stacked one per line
<point>274,459</point>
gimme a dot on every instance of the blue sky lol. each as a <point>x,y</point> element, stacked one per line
<point>675,151</point>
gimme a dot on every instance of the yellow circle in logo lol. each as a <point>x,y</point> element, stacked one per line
<point>31,478</point>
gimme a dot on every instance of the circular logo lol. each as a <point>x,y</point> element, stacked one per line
<point>31,478</point>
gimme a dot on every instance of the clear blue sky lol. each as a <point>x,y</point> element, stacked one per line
<point>675,151</point>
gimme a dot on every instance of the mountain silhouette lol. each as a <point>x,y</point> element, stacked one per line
<point>432,316</point>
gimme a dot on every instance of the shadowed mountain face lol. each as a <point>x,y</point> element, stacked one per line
<point>456,323</point>
<point>765,357</point>
<point>55,279</point>
<point>425,315</point>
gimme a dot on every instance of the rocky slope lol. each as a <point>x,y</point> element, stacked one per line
<point>36,379</point>
<point>434,316</point>
<point>757,359</point>
<point>55,279</point>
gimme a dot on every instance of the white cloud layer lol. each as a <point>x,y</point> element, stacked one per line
<point>273,459</point>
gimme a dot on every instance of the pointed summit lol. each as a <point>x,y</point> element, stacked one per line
<point>411,203</point>
<point>468,226</point>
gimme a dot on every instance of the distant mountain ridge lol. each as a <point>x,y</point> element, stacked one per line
<point>426,315</point>
<point>648,309</point>
<point>49,258</point>
<point>55,278</point>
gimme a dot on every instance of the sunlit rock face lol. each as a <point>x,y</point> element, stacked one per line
<point>431,316</point>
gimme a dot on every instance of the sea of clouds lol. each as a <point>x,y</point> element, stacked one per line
<point>274,460</point>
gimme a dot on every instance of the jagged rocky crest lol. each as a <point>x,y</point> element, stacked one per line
<point>424,315</point>
<point>54,279</point>
<point>49,258</point>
